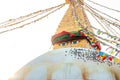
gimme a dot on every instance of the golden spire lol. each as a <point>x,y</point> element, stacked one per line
<point>70,26</point>
<point>68,22</point>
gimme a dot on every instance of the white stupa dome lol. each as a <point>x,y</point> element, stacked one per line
<point>63,64</point>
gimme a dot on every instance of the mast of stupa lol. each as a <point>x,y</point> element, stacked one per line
<point>69,34</point>
<point>69,21</point>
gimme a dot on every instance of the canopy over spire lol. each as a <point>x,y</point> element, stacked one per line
<point>69,1</point>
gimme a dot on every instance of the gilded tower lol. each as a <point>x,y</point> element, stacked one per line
<point>69,33</point>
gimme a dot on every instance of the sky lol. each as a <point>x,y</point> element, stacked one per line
<point>20,46</point>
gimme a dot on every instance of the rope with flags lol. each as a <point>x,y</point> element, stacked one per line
<point>108,34</point>
<point>103,6</point>
<point>36,15</point>
<point>112,42</point>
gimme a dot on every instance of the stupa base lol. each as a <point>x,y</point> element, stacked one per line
<point>68,64</point>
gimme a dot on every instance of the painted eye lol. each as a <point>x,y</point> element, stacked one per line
<point>63,44</point>
<point>74,42</point>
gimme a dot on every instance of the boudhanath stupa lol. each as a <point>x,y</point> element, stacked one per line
<point>76,53</point>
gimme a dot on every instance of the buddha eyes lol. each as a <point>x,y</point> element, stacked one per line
<point>74,42</point>
<point>63,44</point>
<point>66,43</point>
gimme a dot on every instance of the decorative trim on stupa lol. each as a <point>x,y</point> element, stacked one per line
<point>65,36</point>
